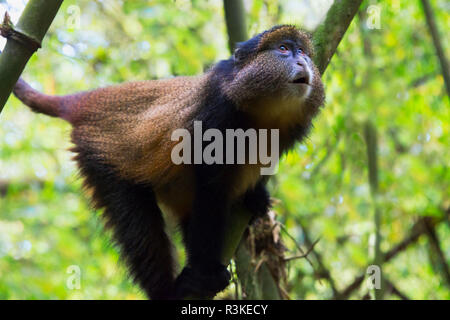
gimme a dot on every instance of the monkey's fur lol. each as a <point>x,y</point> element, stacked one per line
<point>122,137</point>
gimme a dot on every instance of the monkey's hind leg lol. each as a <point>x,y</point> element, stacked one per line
<point>138,226</point>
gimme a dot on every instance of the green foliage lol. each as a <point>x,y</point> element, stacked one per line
<point>390,76</point>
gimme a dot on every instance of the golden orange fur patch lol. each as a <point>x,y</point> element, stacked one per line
<point>287,32</point>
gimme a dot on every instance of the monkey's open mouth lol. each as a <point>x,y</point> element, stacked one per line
<point>303,79</point>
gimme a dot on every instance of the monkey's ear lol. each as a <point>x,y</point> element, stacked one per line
<point>244,50</point>
<point>239,53</point>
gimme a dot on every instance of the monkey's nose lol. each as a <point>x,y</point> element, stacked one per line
<point>301,63</point>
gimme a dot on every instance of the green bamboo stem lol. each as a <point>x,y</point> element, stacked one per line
<point>34,23</point>
<point>330,33</point>
<point>432,26</point>
<point>372,158</point>
<point>235,21</point>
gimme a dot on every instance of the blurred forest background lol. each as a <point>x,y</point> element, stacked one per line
<point>389,75</point>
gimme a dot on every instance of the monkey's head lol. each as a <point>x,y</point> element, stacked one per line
<point>276,64</point>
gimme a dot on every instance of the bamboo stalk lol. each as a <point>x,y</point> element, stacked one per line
<point>431,22</point>
<point>33,23</point>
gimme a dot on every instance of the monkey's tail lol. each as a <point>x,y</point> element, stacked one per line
<point>54,106</point>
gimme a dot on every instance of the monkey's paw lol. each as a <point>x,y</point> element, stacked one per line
<point>193,282</point>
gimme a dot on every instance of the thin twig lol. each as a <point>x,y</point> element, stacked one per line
<point>305,255</point>
<point>283,228</point>
<point>323,271</point>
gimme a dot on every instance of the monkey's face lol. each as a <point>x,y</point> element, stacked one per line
<point>276,64</point>
<point>293,68</point>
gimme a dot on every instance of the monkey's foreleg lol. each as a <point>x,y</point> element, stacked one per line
<point>204,274</point>
<point>257,200</point>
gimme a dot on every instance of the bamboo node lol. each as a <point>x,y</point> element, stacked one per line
<point>7,31</point>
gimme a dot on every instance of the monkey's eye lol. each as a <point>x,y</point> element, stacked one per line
<point>300,51</point>
<point>283,48</point>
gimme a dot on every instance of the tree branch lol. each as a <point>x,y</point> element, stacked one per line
<point>235,20</point>
<point>33,24</point>
<point>418,229</point>
<point>431,22</point>
<point>260,264</point>
<point>330,33</point>
<point>391,288</point>
<point>372,159</point>
<point>323,272</point>
<point>440,260</point>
